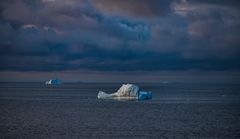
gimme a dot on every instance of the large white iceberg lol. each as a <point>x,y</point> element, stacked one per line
<point>126,92</point>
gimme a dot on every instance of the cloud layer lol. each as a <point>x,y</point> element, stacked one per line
<point>116,35</point>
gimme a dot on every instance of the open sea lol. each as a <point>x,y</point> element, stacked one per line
<point>72,111</point>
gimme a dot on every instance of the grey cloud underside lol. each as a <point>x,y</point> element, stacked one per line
<point>113,35</point>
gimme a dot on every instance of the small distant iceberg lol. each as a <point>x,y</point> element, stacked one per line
<point>53,82</point>
<point>126,92</point>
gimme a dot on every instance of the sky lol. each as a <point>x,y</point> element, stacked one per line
<point>119,40</point>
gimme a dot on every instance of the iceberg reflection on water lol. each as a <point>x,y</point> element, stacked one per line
<point>126,92</point>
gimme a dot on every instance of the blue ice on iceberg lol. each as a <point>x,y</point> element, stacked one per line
<point>126,92</point>
<point>144,95</point>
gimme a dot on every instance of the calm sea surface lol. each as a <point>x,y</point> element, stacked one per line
<point>178,110</point>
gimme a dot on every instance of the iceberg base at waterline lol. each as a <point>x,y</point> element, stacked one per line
<point>126,92</point>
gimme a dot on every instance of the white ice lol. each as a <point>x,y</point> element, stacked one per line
<point>126,92</point>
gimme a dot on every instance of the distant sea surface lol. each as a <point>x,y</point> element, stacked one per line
<point>72,110</point>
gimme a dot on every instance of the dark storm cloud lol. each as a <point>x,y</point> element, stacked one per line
<point>234,3</point>
<point>134,8</point>
<point>116,35</point>
<point>213,29</point>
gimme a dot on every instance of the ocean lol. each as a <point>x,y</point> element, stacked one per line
<point>72,110</point>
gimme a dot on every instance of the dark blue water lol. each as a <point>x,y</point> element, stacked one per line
<point>178,110</point>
